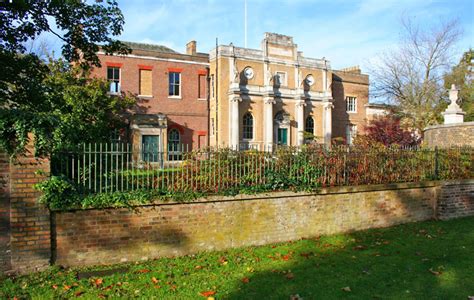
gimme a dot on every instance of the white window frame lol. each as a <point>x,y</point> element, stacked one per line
<point>180,86</point>
<point>253,128</point>
<point>285,83</point>
<point>199,86</point>
<point>119,80</point>
<point>351,108</point>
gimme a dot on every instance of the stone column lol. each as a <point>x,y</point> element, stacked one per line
<point>300,104</point>
<point>268,124</point>
<point>234,121</point>
<point>327,122</point>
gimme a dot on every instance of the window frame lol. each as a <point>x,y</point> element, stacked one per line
<point>285,83</point>
<point>306,127</point>
<point>140,81</point>
<point>349,106</point>
<point>118,82</point>
<point>245,127</point>
<point>180,85</point>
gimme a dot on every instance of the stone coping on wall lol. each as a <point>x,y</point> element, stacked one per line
<point>291,194</point>
<point>465,124</point>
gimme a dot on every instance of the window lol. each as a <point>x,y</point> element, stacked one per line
<point>351,132</point>
<point>173,145</point>
<point>247,127</point>
<point>174,84</point>
<point>113,76</point>
<point>202,87</point>
<point>212,127</point>
<point>212,86</point>
<point>351,104</point>
<point>145,83</point>
<point>280,79</point>
<point>309,128</point>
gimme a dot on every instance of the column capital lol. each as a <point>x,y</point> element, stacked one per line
<point>235,98</point>
<point>269,100</point>
<point>300,103</point>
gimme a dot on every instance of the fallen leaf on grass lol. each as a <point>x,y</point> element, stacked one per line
<point>198,267</point>
<point>245,280</point>
<point>306,255</point>
<point>208,293</point>
<point>79,293</point>
<point>436,273</point>
<point>155,281</point>
<point>143,271</point>
<point>67,287</point>
<point>359,247</point>
<point>290,276</point>
<point>346,289</point>
<point>98,282</point>
<point>286,257</point>
<point>108,288</point>
<point>223,260</point>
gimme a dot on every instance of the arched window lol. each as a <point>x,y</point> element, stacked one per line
<point>247,127</point>
<point>309,125</point>
<point>173,139</point>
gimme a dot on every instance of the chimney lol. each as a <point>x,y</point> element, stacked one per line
<point>191,48</point>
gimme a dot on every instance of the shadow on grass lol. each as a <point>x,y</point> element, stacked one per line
<point>429,260</point>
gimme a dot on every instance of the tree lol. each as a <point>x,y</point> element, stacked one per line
<point>72,108</point>
<point>387,130</point>
<point>40,97</point>
<point>412,74</point>
<point>462,75</point>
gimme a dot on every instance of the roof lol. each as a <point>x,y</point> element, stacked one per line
<point>149,47</point>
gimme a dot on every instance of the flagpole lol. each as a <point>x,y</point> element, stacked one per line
<point>245,23</point>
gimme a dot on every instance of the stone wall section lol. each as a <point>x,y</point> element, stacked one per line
<point>450,135</point>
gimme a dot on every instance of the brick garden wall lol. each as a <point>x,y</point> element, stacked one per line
<point>25,242</point>
<point>450,135</point>
<point>118,235</point>
<point>5,257</point>
<point>456,199</point>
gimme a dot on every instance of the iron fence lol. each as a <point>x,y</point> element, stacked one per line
<point>98,168</point>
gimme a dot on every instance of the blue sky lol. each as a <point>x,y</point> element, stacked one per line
<point>346,32</point>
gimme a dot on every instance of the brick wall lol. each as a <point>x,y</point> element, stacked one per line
<point>188,113</point>
<point>456,200</point>
<point>346,84</point>
<point>449,135</point>
<point>117,235</point>
<point>4,212</point>
<point>30,243</point>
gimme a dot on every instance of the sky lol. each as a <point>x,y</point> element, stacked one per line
<point>346,32</point>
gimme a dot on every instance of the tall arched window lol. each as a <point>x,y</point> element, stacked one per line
<point>309,125</point>
<point>173,144</point>
<point>247,127</point>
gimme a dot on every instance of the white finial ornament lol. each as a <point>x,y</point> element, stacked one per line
<point>453,114</point>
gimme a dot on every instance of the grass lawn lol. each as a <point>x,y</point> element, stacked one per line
<point>427,260</point>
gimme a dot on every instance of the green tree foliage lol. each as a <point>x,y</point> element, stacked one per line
<point>69,108</point>
<point>54,100</point>
<point>462,75</point>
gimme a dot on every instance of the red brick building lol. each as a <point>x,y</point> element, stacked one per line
<point>172,94</point>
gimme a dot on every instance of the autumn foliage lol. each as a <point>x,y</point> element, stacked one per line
<point>387,130</point>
